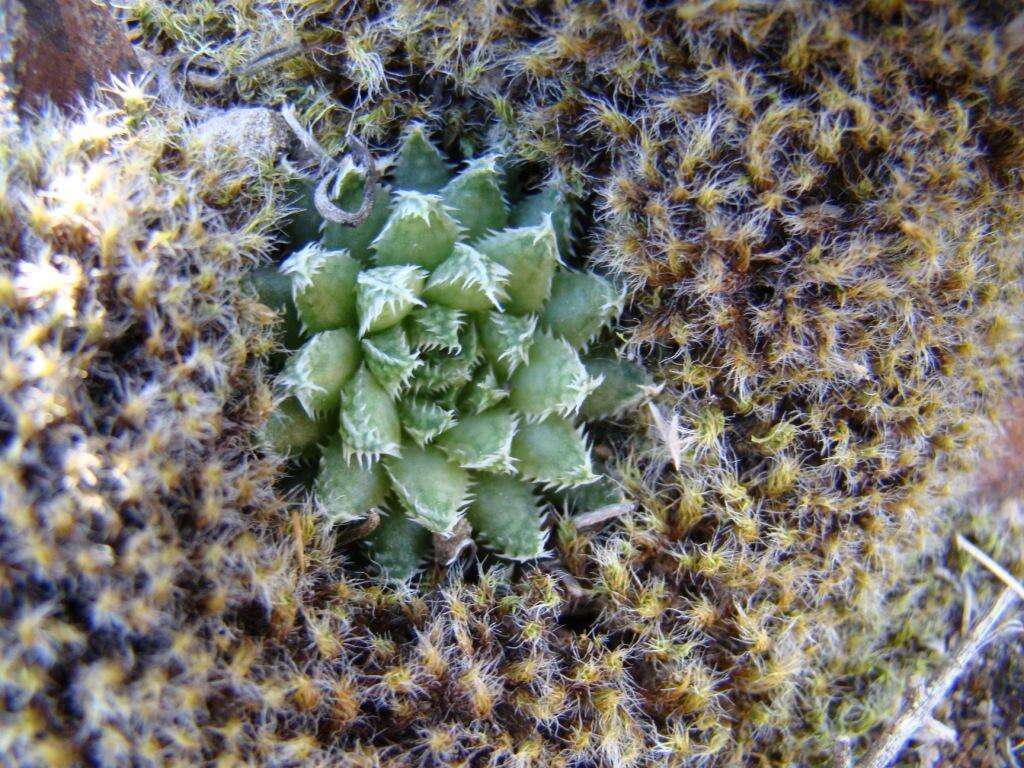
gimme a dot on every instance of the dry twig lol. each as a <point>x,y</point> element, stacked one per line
<point>923,703</point>
<point>329,169</point>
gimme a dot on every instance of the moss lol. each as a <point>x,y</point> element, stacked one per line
<point>816,207</point>
<point>426,401</point>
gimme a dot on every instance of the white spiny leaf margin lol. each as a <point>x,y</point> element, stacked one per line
<point>419,127</point>
<point>540,507</point>
<point>421,514</point>
<point>346,167</point>
<point>546,232</point>
<point>428,340</point>
<point>386,287</point>
<point>541,538</point>
<point>519,353</point>
<point>612,309</point>
<point>542,234</point>
<point>304,265</point>
<point>582,475</point>
<point>367,436</point>
<point>323,504</point>
<point>580,386</point>
<point>501,461</point>
<point>410,204</point>
<point>489,164</point>
<point>479,272</point>
<point>422,437</point>
<point>297,379</point>
<point>380,355</point>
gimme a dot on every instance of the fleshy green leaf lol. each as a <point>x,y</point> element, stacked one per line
<point>622,387</point>
<point>317,371</point>
<point>290,431</point>
<point>468,280</point>
<point>275,290</point>
<point>390,359</point>
<point>423,420</point>
<point>483,391</point>
<point>432,489</point>
<point>398,546</point>
<point>469,344</point>
<point>593,497</point>
<point>435,327</point>
<point>550,201</point>
<point>530,255</point>
<point>475,198</point>
<point>506,514</point>
<point>323,287</point>
<point>581,306</point>
<point>347,194</point>
<point>345,489</point>
<point>482,440</point>
<point>445,371</point>
<point>506,340</point>
<point>369,419</point>
<point>420,165</point>
<point>553,380</point>
<point>419,231</point>
<point>303,225</point>
<point>552,452</point>
<point>441,372</point>
<point>449,398</point>
<point>385,295</point>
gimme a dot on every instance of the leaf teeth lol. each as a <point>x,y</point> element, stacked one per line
<point>475,198</point>
<point>369,420</point>
<point>547,238</point>
<point>506,340</point>
<point>623,385</point>
<point>468,280</point>
<point>554,380</point>
<point>419,231</point>
<point>347,491</point>
<point>347,167</point>
<point>399,546</point>
<point>550,201</point>
<point>554,453</point>
<point>482,441</point>
<point>423,420</point>
<point>390,359</point>
<point>409,204</point>
<point>384,295</point>
<point>582,304</point>
<point>420,165</point>
<point>303,266</point>
<point>297,378</point>
<point>433,491</point>
<point>317,371</point>
<point>531,256</point>
<point>483,392</point>
<point>506,514</point>
<point>436,327</point>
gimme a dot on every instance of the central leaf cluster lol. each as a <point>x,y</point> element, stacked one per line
<point>438,362</point>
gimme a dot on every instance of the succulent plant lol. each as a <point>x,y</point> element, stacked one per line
<point>444,356</point>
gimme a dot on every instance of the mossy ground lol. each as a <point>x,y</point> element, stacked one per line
<point>818,209</point>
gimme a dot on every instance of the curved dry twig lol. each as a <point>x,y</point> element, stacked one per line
<point>360,529</point>
<point>333,213</point>
<point>330,169</point>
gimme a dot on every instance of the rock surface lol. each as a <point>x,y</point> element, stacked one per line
<point>59,49</point>
<point>250,135</point>
<point>1001,475</point>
